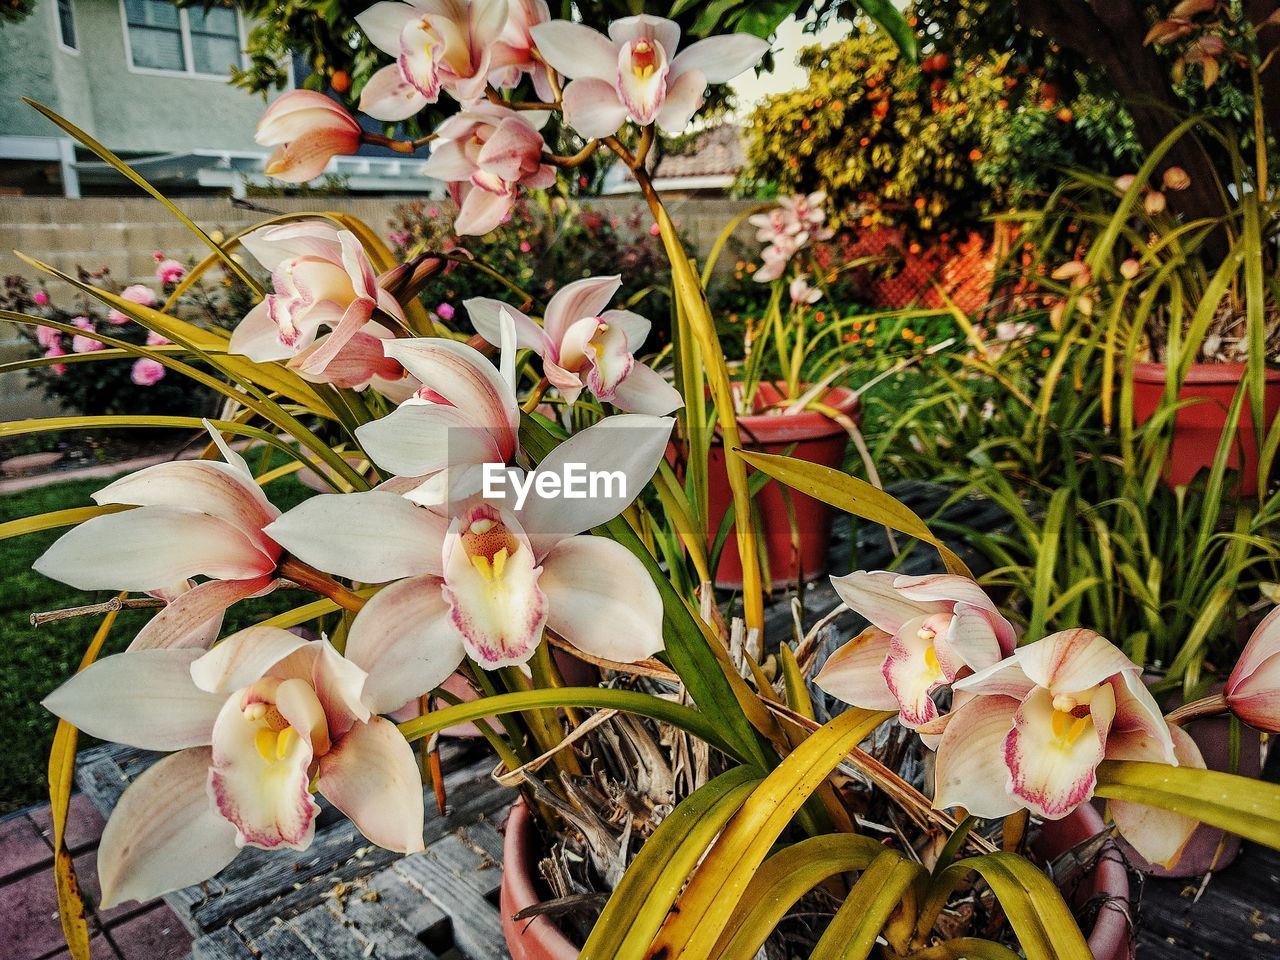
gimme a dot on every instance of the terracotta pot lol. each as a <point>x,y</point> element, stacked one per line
<point>541,939</point>
<point>808,436</point>
<point>1198,427</point>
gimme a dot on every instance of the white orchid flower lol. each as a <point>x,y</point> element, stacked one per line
<point>635,73</point>
<point>258,722</point>
<point>193,518</point>
<point>583,345</point>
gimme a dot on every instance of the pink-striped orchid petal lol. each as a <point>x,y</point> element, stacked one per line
<point>642,78</point>
<point>1004,679</point>
<point>601,599</point>
<point>633,326</point>
<point>243,658</point>
<point>513,150</point>
<point>257,336</point>
<point>163,834</point>
<point>371,775</point>
<point>259,778</point>
<point>217,489</point>
<point>1139,730</point>
<point>1253,688</point>
<point>405,640</point>
<point>567,382</point>
<point>874,595</point>
<point>1158,835</point>
<point>913,671</point>
<point>307,130</point>
<point>314,361</point>
<point>200,635</point>
<point>272,246</point>
<point>389,97</point>
<point>384,22</point>
<point>464,377</point>
<point>137,550</point>
<point>684,98</point>
<point>969,640</point>
<point>485,314</point>
<point>417,439</point>
<point>971,770</point>
<point>645,26</point>
<point>360,363</point>
<point>1055,746</point>
<point>593,108</point>
<point>720,59</point>
<point>854,672</point>
<point>644,390</point>
<point>627,447</point>
<point>942,587</point>
<point>299,706</point>
<point>576,50</point>
<point>372,537</point>
<point>1072,660</point>
<point>491,582</point>
<point>192,618</point>
<point>419,55</point>
<point>611,360</point>
<point>339,688</point>
<point>144,699</point>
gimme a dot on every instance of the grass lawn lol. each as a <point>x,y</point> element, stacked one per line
<point>34,661</point>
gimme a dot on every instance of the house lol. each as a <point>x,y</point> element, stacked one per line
<point>706,167</point>
<point>149,80</point>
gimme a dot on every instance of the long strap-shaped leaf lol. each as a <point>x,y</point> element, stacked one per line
<point>703,911</point>
<point>877,894</point>
<point>62,765</point>
<point>641,900</point>
<point>125,170</point>
<point>853,496</point>
<point>782,880</point>
<point>56,518</point>
<point>1250,808</point>
<point>1040,918</point>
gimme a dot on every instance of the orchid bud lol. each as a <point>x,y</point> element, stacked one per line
<point>1123,183</point>
<point>1175,178</point>
<point>1154,203</point>
<point>1253,689</point>
<point>307,130</point>
<point>1072,270</point>
<point>1129,269</point>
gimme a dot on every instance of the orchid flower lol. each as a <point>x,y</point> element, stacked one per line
<point>787,229</point>
<point>483,580</point>
<point>1253,689</point>
<point>635,72</point>
<point>582,345</point>
<point>321,277</point>
<point>193,518</point>
<point>256,722</point>
<point>485,153</point>
<point>927,632</point>
<point>438,44</point>
<point>307,130</point>
<point>1030,732</point>
<point>802,294</point>
<point>516,48</point>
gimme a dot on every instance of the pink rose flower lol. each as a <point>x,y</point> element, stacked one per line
<point>40,298</point>
<point>157,340</point>
<point>147,372</point>
<point>170,271</point>
<point>55,350</point>
<point>48,337</point>
<point>445,311</point>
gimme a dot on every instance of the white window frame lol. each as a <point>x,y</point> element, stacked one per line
<point>184,28</point>
<point>57,28</point>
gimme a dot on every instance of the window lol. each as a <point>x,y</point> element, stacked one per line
<point>67,25</point>
<point>196,41</point>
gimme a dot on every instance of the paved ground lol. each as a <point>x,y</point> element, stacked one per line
<point>29,927</point>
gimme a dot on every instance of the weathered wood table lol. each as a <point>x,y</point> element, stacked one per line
<point>345,899</point>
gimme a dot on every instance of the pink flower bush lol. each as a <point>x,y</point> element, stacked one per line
<point>137,293</point>
<point>1253,689</point>
<point>585,346</point>
<point>307,130</point>
<point>485,153</point>
<point>255,723</point>
<point>450,45</point>
<point>83,343</point>
<point>147,372</point>
<point>927,633</point>
<point>635,73</point>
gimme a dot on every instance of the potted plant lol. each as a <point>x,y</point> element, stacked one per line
<point>477,552</point>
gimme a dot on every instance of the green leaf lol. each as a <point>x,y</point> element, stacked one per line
<point>852,933</point>
<point>890,19</point>
<point>1240,805</point>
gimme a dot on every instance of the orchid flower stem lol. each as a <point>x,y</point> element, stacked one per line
<point>308,576</point>
<point>399,146</point>
<point>110,606</point>
<point>574,159</point>
<point>1214,706</point>
<point>536,396</point>
<point>543,724</point>
<point>495,97</point>
<point>482,681</point>
<point>642,151</point>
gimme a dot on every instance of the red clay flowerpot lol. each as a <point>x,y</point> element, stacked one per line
<point>1198,427</point>
<point>541,939</point>
<point>808,436</point>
